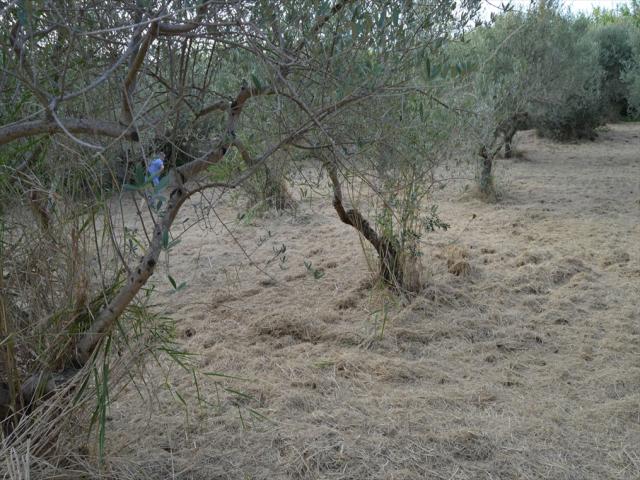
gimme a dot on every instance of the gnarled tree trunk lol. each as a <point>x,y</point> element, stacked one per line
<point>485,180</point>
<point>509,128</point>
<point>392,267</point>
<point>508,138</point>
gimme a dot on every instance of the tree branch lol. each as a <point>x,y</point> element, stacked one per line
<point>24,65</point>
<point>322,21</point>
<point>220,105</point>
<point>179,194</point>
<point>73,125</point>
<point>107,73</point>
<point>170,29</point>
<point>134,67</point>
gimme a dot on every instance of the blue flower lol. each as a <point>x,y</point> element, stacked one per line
<point>155,169</point>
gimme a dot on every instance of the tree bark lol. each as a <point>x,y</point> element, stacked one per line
<point>390,264</point>
<point>508,138</point>
<point>486,172</point>
<point>74,125</point>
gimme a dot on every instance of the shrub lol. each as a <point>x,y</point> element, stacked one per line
<point>575,105</point>
<point>615,56</point>
<point>574,118</point>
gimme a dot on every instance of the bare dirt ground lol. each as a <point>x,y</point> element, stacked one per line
<point>528,367</point>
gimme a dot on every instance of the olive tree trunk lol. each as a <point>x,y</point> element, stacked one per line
<point>391,265</point>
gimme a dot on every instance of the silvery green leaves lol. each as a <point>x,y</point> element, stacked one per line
<point>176,287</point>
<point>317,273</point>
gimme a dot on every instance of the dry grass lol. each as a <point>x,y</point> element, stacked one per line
<point>458,260</point>
<point>525,366</point>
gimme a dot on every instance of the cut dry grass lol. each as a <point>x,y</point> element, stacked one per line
<point>525,368</point>
<point>458,260</point>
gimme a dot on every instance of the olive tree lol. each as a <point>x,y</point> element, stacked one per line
<point>112,111</point>
<point>531,66</point>
<point>615,43</point>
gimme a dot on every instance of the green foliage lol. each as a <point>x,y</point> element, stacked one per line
<point>624,11</point>
<point>174,284</point>
<point>578,108</point>
<point>615,46</point>
<point>576,118</point>
<point>544,64</point>
<point>405,170</point>
<point>632,79</point>
<point>226,170</point>
<point>317,273</point>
